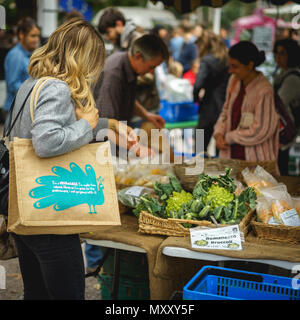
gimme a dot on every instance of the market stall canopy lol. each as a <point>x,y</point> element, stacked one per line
<point>288,9</point>
<point>185,6</point>
<point>260,26</point>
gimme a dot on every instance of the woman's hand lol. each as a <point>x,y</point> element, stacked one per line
<point>92,117</point>
<point>126,137</point>
<point>220,142</point>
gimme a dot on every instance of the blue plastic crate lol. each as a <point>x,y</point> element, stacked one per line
<point>216,283</point>
<point>179,111</point>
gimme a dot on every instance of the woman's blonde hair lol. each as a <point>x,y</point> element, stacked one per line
<point>75,54</point>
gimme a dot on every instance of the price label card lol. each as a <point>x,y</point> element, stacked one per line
<point>135,191</point>
<point>225,238</point>
<point>290,218</point>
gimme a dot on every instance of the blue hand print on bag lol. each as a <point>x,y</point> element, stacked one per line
<point>68,189</point>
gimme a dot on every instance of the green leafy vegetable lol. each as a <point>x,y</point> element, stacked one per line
<point>176,201</point>
<point>151,205</point>
<point>165,190</point>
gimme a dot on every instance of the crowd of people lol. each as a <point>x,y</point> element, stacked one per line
<point>236,107</point>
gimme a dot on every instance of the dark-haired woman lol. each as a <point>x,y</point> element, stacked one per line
<point>212,77</point>
<point>17,59</point>
<point>287,85</point>
<point>248,127</point>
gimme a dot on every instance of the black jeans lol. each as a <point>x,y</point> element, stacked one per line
<point>52,267</point>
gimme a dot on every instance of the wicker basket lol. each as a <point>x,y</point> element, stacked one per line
<point>173,227</point>
<point>276,232</point>
<point>216,165</point>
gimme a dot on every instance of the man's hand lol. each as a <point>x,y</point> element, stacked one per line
<point>156,119</point>
<point>221,143</point>
<point>140,111</point>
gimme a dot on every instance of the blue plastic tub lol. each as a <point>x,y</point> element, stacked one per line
<point>179,111</point>
<point>216,283</point>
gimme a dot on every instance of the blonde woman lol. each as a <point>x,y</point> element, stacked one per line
<point>211,82</point>
<point>65,119</point>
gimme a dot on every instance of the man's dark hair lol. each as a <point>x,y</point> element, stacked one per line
<point>109,18</point>
<point>150,46</point>
<point>25,25</point>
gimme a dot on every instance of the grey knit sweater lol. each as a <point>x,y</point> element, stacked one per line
<point>55,129</point>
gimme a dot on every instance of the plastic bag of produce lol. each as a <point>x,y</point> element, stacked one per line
<point>296,201</point>
<point>239,187</point>
<point>177,90</point>
<point>259,178</point>
<point>130,197</point>
<point>282,205</point>
<point>264,211</point>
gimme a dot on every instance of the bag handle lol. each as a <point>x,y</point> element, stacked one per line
<point>8,126</point>
<point>36,93</point>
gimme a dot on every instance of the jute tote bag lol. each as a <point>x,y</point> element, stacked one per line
<point>67,194</point>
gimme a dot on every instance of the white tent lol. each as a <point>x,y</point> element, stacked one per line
<point>143,17</point>
<point>290,8</point>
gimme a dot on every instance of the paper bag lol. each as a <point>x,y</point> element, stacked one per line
<point>68,194</point>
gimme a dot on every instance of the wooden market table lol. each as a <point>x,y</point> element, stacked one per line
<point>169,269</point>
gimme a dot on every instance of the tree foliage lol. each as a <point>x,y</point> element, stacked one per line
<point>235,9</point>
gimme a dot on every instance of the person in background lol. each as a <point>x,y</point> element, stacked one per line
<point>176,42</point>
<point>287,85</point>
<point>162,32</point>
<point>115,92</point>
<point>188,52</point>
<point>198,31</point>
<point>211,82</point>
<point>224,36</point>
<point>73,14</point>
<point>192,73</point>
<point>248,126</point>
<point>17,59</point>
<point>117,29</point>
<point>176,69</point>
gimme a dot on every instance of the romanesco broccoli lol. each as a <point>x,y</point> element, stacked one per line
<point>176,201</point>
<point>218,196</point>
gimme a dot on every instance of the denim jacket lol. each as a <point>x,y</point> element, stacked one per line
<point>15,65</point>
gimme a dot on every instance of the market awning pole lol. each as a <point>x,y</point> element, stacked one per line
<point>47,16</point>
<point>276,23</point>
<point>217,20</point>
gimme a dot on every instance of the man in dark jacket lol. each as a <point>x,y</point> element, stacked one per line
<point>115,92</point>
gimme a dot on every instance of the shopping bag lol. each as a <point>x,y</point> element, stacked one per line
<point>67,194</point>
